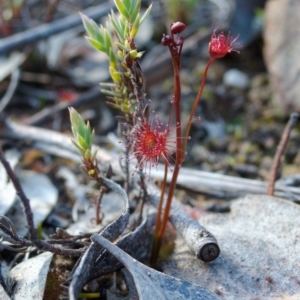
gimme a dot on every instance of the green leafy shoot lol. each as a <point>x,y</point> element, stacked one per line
<point>82,133</point>
<point>116,40</point>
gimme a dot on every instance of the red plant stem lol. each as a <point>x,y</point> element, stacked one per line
<point>161,225</point>
<point>161,200</point>
<point>188,127</point>
<point>153,258</point>
<point>180,151</point>
<point>168,205</point>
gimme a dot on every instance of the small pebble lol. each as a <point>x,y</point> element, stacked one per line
<point>236,78</point>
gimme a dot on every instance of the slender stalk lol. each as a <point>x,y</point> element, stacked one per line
<point>153,257</point>
<point>294,117</point>
<point>98,204</point>
<point>168,207</point>
<point>161,199</point>
<point>177,98</point>
<point>162,223</point>
<point>188,127</point>
<point>143,196</point>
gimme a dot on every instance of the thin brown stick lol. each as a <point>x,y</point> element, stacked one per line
<point>45,30</point>
<point>98,204</point>
<point>103,189</point>
<point>294,117</point>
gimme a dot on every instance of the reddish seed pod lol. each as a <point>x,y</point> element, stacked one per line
<point>179,41</point>
<point>177,27</point>
<point>166,40</point>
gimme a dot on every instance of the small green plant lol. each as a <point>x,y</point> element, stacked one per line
<point>126,91</point>
<point>83,141</point>
<point>147,141</point>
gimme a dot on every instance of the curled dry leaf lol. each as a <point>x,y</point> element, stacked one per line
<point>137,244</point>
<point>151,284</point>
<point>84,269</point>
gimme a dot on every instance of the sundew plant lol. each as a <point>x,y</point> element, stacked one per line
<point>147,140</point>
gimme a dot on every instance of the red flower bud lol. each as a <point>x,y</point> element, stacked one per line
<point>179,41</point>
<point>166,40</point>
<point>177,27</point>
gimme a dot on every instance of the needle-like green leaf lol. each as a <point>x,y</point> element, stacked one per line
<point>122,9</point>
<point>145,15</point>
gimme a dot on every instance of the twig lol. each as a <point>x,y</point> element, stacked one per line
<point>98,204</point>
<point>43,31</point>
<point>21,249</point>
<point>29,216</point>
<point>72,242</point>
<point>10,235</point>
<point>11,89</point>
<point>225,186</point>
<point>6,230</point>
<point>6,237</point>
<point>294,117</point>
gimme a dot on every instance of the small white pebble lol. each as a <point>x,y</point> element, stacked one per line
<point>236,78</point>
